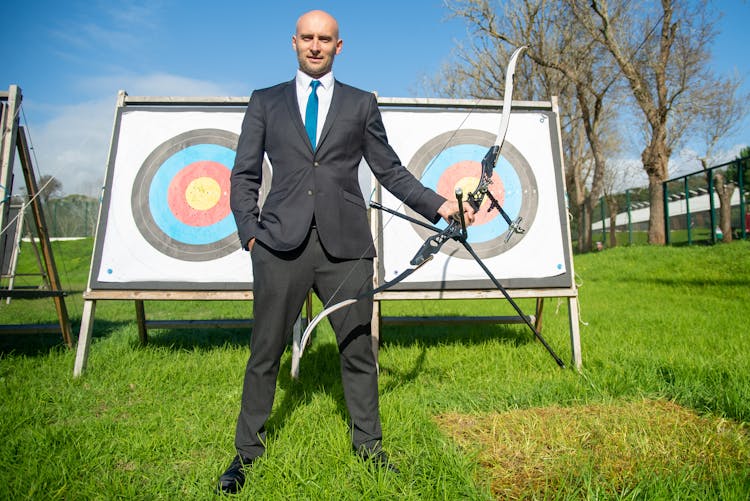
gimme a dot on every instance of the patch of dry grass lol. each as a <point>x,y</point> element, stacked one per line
<point>527,453</point>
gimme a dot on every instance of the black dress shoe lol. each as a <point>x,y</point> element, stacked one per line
<point>234,478</point>
<point>379,459</point>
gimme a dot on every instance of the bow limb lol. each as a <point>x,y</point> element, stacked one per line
<point>347,302</point>
<point>510,76</point>
<point>319,318</point>
<point>476,197</point>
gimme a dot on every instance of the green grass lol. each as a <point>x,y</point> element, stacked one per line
<point>661,324</point>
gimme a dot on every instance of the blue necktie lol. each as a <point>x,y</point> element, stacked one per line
<point>311,114</point>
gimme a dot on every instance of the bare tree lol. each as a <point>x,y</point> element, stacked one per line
<point>49,187</point>
<point>569,63</point>
<point>662,51</point>
<point>559,43</point>
<point>718,113</point>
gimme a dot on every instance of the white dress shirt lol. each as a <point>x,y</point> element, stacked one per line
<point>325,94</point>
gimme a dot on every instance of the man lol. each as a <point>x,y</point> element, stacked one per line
<point>313,230</point>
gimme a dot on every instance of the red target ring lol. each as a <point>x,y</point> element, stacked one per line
<point>199,194</point>
<point>465,175</point>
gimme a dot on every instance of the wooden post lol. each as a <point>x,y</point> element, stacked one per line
<point>575,333</point>
<point>539,311</point>
<point>84,337</point>
<point>11,105</point>
<point>41,225</point>
<point>375,329</point>
<point>140,318</point>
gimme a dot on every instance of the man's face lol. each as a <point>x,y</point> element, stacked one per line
<point>316,43</point>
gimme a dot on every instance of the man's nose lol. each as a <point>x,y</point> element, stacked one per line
<point>315,45</point>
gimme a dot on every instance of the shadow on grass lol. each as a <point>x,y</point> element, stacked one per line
<point>320,372</point>
<point>695,282</point>
<point>466,335</point>
<point>403,336</point>
<point>198,338</point>
<point>42,343</point>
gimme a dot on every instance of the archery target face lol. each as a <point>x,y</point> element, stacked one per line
<point>180,197</point>
<point>454,160</point>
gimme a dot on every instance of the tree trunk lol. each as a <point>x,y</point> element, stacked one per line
<point>655,162</point>
<point>588,211</point>
<point>582,222</point>
<point>724,191</point>
<point>656,229</point>
<point>613,209</point>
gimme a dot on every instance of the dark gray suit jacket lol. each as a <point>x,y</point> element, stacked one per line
<point>323,183</point>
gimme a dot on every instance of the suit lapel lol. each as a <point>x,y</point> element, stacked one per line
<point>333,111</point>
<point>290,96</point>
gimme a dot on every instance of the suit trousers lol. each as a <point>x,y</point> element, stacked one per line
<point>281,281</point>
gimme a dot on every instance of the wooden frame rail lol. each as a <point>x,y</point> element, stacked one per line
<point>139,296</point>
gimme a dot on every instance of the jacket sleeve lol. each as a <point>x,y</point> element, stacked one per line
<point>389,171</point>
<point>247,173</point>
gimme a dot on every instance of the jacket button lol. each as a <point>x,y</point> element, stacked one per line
<point>316,164</point>
<point>309,192</point>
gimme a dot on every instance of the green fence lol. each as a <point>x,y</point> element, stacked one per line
<point>692,208</point>
<point>72,216</point>
<point>697,215</point>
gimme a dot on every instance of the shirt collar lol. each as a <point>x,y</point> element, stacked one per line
<point>303,80</point>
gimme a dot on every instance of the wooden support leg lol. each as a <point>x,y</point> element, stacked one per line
<point>140,317</point>
<point>575,333</point>
<point>84,337</point>
<point>539,310</point>
<point>62,316</point>
<point>375,330</point>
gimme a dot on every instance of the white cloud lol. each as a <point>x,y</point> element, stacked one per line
<point>684,161</point>
<point>157,84</point>
<point>73,145</point>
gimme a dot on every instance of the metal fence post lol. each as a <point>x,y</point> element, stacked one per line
<point>601,206</point>
<point>665,197</point>
<point>712,214</point>
<point>688,219</point>
<point>630,221</point>
<point>741,186</point>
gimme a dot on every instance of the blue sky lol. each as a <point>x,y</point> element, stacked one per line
<point>71,58</point>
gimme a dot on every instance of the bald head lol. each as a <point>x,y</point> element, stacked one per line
<point>317,19</point>
<point>316,41</point>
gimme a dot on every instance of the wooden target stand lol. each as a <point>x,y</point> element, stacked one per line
<point>14,141</point>
<point>91,296</point>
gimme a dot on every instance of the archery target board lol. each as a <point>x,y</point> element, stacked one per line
<point>166,221</point>
<point>444,149</point>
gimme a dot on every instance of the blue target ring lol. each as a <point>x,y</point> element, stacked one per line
<point>156,219</point>
<point>163,214</point>
<point>511,184</point>
<point>446,156</point>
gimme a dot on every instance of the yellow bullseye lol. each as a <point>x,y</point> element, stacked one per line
<point>467,184</point>
<point>203,193</point>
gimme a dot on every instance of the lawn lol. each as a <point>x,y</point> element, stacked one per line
<point>659,411</point>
